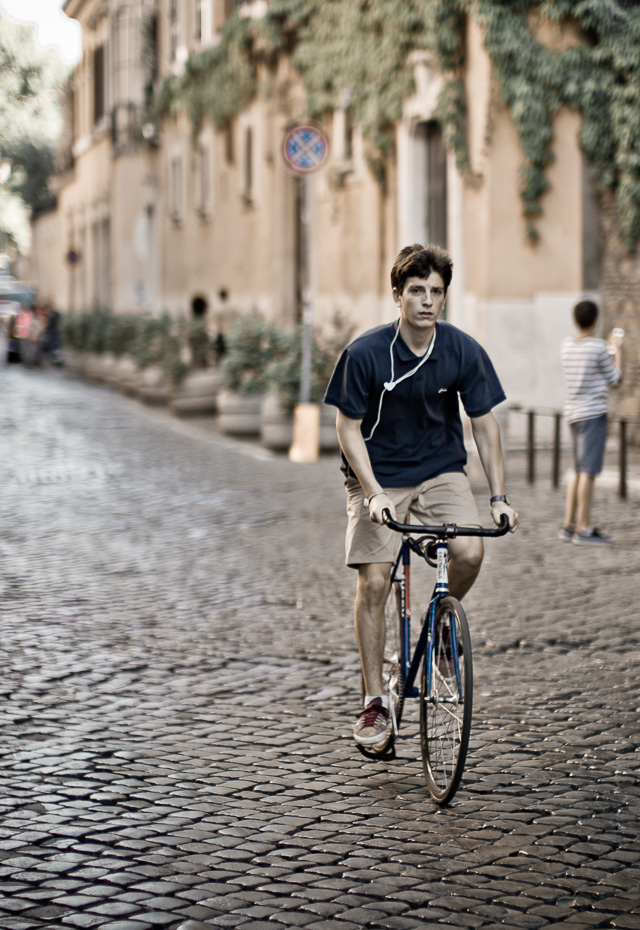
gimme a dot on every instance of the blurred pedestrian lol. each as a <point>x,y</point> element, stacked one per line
<point>13,349</point>
<point>54,337</point>
<point>23,325</point>
<point>4,339</point>
<point>590,366</point>
<point>40,333</point>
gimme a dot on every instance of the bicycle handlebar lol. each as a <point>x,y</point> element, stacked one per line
<point>447,530</point>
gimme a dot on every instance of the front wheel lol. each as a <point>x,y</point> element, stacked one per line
<point>446,700</point>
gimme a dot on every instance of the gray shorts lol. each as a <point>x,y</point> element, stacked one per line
<point>445,499</point>
<point>589,439</point>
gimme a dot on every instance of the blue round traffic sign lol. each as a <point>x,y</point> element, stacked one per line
<point>305,147</point>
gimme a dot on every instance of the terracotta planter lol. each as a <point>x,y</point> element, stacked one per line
<point>328,436</point>
<point>153,386</point>
<point>197,393</point>
<point>75,361</point>
<point>276,430</point>
<point>99,367</point>
<point>276,424</point>
<point>125,375</point>
<point>239,414</point>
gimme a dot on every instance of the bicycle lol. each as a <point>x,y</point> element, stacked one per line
<point>443,650</point>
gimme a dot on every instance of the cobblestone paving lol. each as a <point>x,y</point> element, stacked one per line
<point>179,678</point>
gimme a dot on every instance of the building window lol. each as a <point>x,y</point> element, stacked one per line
<point>248,191</point>
<point>430,183</point>
<point>592,246</point>
<point>343,135</point>
<point>174,30</point>
<point>106,263</point>
<point>98,83</point>
<point>84,283</point>
<point>176,182</point>
<point>229,148</point>
<point>102,263</point>
<point>204,178</point>
<point>126,54</point>
<point>203,20</point>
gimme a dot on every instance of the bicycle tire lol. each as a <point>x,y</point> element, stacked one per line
<point>445,712</point>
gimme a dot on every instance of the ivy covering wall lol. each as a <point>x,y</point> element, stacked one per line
<point>217,82</point>
<point>361,49</point>
<point>599,78</point>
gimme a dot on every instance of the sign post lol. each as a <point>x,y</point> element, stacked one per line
<point>305,149</point>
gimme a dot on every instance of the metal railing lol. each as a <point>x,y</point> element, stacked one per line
<point>556,447</point>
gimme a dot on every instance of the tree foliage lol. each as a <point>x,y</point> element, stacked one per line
<point>30,123</point>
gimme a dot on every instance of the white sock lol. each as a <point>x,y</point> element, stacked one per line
<point>368,698</point>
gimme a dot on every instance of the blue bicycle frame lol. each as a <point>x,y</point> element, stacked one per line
<point>410,665</point>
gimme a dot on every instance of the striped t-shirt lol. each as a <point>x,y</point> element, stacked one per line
<point>588,371</point>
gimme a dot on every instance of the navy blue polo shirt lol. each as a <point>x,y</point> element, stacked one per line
<point>419,431</point>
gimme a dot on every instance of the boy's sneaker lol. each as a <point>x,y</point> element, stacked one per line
<point>567,533</point>
<point>591,537</point>
<point>373,725</point>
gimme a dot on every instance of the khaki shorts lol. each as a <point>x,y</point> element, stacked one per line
<point>445,499</point>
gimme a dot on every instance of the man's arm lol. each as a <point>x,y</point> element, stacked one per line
<point>486,434</point>
<point>355,450</point>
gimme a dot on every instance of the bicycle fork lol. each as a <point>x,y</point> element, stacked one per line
<point>440,591</point>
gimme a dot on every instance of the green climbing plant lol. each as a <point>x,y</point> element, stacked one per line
<point>217,82</point>
<point>599,78</point>
<point>359,52</point>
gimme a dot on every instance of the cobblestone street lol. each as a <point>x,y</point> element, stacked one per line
<point>180,679</point>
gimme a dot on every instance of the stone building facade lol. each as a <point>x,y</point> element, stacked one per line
<point>152,225</point>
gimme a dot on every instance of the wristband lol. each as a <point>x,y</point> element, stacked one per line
<point>499,498</point>
<point>367,500</point>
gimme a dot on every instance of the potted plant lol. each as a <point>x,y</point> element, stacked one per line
<point>284,377</point>
<point>74,342</point>
<point>252,344</point>
<point>121,331</point>
<point>197,390</point>
<point>147,350</point>
<point>94,327</point>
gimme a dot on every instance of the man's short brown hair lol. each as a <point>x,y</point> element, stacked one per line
<point>418,261</point>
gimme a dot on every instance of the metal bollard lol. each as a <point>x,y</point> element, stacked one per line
<point>622,484</point>
<point>531,447</point>
<point>556,449</point>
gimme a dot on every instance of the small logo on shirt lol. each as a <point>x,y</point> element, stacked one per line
<point>442,391</point>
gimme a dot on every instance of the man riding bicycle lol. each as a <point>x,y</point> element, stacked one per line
<point>397,389</point>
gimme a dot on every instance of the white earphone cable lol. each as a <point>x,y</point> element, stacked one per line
<point>390,384</point>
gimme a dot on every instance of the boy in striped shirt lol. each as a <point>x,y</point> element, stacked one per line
<point>590,366</point>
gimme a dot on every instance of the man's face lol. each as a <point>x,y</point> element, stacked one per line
<point>421,301</point>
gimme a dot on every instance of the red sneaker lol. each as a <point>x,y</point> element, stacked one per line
<point>373,725</point>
